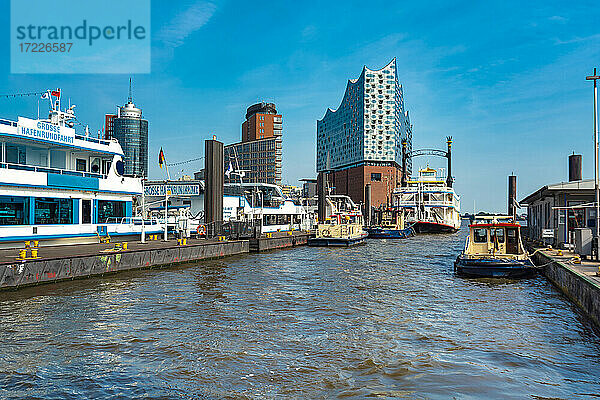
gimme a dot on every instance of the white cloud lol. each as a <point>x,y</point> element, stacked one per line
<point>186,22</point>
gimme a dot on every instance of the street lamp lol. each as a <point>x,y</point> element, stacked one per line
<point>594,78</point>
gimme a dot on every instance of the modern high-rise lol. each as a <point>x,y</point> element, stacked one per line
<point>360,143</point>
<point>128,127</point>
<point>259,154</point>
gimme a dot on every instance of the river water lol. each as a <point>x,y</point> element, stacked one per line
<point>386,319</point>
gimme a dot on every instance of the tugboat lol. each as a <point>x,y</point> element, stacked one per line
<point>494,249</point>
<point>390,225</point>
<point>343,225</point>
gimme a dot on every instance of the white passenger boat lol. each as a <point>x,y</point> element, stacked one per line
<point>259,205</point>
<point>431,206</point>
<point>60,187</point>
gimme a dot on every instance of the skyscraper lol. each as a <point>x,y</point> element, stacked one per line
<point>128,127</point>
<point>361,142</point>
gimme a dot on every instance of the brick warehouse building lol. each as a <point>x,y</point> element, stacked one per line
<point>361,142</point>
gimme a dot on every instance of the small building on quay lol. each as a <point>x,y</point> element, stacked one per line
<point>558,209</point>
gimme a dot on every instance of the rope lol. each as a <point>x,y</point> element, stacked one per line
<point>21,94</point>
<point>185,162</point>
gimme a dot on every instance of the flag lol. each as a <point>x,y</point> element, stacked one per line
<point>229,170</point>
<point>56,93</point>
<point>161,158</point>
<point>45,95</point>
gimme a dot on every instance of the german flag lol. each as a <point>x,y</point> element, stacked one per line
<point>161,158</point>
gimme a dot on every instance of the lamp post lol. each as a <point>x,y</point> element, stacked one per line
<point>594,78</point>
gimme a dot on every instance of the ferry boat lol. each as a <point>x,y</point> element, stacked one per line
<point>60,187</point>
<point>343,225</point>
<point>260,205</point>
<point>494,249</point>
<point>390,225</point>
<point>430,205</point>
<point>265,206</point>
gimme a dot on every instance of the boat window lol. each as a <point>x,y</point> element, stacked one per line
<point>95,165</point>
<point>499,233</point>
<point>480,235</point>
<point>15,154</point>
<point>81,165</point>
<point>110,211</point>
<point>14,210</point>
<point>511,236</point>
<point>53,211</point>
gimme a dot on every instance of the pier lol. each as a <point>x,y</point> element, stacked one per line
<point>60,263</point>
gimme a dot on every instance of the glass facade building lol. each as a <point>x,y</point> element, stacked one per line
<point>369,125</point>
<point>131,131</point>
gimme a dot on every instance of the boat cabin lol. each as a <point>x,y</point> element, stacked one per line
<point>495,237</point>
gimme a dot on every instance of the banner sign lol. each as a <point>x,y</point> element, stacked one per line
<point>44,131</point>
<point>172,190</point>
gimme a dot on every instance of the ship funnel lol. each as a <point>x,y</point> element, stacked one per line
<point>575,162</point>
<point>449,179</point>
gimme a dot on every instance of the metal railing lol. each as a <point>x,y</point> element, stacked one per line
<point>49,170</point>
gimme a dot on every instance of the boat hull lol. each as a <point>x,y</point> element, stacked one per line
<point>336,242</point>
<point>493,268</point>
<point>433,227</point>
<point>383,233</point>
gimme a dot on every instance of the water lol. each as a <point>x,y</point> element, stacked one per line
<point>387,319</point>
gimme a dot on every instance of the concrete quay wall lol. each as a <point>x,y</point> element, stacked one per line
<point>582,290</point>
<point>278,242</point>
<point>31,272</point>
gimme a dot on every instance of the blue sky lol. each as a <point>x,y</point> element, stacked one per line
<point>507,81</point>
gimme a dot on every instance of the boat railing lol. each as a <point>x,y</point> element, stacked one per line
<point>50,170</point>
<point>7,122</point>
<point>426,203</point>
<point>132,221</point>
<point>93,140</point>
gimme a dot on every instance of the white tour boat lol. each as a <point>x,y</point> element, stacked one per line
<point>60,187</point>
<point>430,205</point>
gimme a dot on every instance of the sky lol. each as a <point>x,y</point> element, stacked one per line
<point>505,79</point>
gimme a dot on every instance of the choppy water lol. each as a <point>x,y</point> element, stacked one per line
<point>387,319</point>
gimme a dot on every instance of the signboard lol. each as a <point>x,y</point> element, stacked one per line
<point>547,233</point>
<point>172,190</point>
<point>44,131</point>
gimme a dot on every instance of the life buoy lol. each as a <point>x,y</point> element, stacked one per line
<point>201,230</point>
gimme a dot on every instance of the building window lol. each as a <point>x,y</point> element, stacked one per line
<point>53,211</point>
<point>375,177</point>
<point>110,211</point>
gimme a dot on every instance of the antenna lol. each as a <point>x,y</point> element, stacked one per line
<point>130,93</point>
